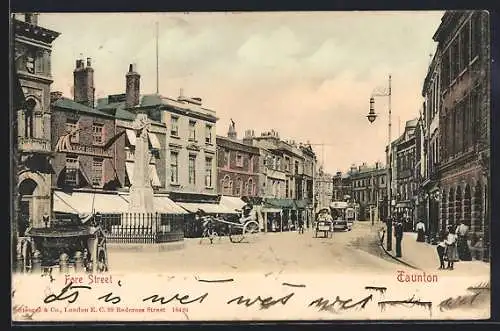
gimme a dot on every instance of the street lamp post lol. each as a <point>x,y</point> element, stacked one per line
<point>371,117</point>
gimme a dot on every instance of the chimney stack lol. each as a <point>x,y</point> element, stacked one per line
<point>132,88</point>
<point>83,77</point>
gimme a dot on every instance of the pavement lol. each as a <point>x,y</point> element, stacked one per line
<point>423,256</point>
<point>346,252</point>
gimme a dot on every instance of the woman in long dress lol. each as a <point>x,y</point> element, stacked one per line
<point>420,227</point>
<point>451,247</point>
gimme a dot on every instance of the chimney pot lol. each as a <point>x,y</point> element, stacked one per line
<point>89,62</point>
<point>132,86</point>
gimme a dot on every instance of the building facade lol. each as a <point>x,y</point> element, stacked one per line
<point>369,187</point>
<point>182,140</point>
<point>324,189</point>
<point>464,122</point>
<point>32,48</point>
<point>237,166</point>
<point>430,148</point>
<point>406,187</point>
<point>286,180</point>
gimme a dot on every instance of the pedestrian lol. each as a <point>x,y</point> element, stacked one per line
<point>420,227</point>
<point>441,250</point>
<point>462,231</point>
<point>451,247</point>
<point>301,225</point>
<point>398,233</point>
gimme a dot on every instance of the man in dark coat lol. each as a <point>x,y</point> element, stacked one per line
<point>398,233</point>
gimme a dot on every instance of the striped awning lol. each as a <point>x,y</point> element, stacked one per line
<point>131,136</point>
<point>209,208</point>
<point>87,202</point>
<point>153,174</point>
<point>153,139</point>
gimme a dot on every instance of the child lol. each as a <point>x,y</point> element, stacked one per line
<point>441,248</point>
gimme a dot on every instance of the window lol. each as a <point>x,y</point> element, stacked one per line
<point>192,130</point>
<point>72,166</point>
<point>296,167</point>
<point>465,46</point>
<point>237,190</point>
<point>445,69</point>
<point>250,187</point>
<point>174,167</point>
<point>455,58</point>
<point>97,134</point>
<point>208,172</point>
<point>475,35</point>
<point>28,117</point>
<point>72,126</point>
<point>250,163</point>
<point>382,180</point>
<point>227,158</point>
<point>227,185</point>
<point>174,126</point>
<point>97,172</point>
<point>208,134</point>
<point>287,163</point>
<point>192,169</point>
<point>239,160</point>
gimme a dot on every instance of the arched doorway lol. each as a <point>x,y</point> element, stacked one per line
<point>458,206</point>
<point>25,214</point>
<point>467,206</point>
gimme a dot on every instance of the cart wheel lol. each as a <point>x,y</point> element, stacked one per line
<point>251,231</point>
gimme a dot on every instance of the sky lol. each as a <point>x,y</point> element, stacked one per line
<point>307,75</point>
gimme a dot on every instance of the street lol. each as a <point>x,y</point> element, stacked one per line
<point>354,251</point>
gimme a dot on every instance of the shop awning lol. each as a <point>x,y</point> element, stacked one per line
<point>153,174</point>
<point>280,203</point>
<point>153,139</point>
<point>82,202</point>
<point>302,204</point>
<point>271,210</point>
<point>403,205</point>
<point>131,136</point>
<point>232,203</point>
<point>209,208</point>
<point>162,204</point>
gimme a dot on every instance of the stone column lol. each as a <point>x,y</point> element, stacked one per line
<point>444,210</point>
<point>141,192</point>
<point>476,211</point>
<point>467,208</point>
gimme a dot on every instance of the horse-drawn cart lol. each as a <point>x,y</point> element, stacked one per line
<point>324,224</point>
<point>65,245</point>
<point>237,231</point>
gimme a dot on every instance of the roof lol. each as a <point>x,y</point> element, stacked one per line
<point>68,104</point>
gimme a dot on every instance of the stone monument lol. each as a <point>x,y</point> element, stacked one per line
<point>141,191</point>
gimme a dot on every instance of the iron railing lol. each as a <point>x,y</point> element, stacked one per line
<point>142,228</point>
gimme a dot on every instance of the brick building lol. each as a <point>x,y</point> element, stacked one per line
<point>286,180</point>
<point>430,145</point>
<point>32,52</point>
<point>406,187</point>
<point>237,166</point>
<point>464,122</point>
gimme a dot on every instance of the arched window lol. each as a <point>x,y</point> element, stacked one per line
<point>227,185</point>
<point>28,117</point>
<point>238,187</point>
<point>250,187</point>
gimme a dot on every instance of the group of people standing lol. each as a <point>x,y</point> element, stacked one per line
<point>452,245</point>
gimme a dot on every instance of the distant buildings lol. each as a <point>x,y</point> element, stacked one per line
<point>369,188</point>
<point>323,189</point>
<point>286,180</point>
